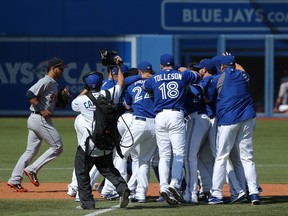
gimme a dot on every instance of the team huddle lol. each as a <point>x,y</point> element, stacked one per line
<point>194,126</point>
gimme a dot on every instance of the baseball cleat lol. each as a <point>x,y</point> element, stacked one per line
<point>33,177</point>
<point>237,197</point>
<point>204,196</point>
<point>214,200</point>
<point>168,196</point>
<point>124,199</point>
<point>17,187</point>
<point>177,194</point>
<point>160,199</point>
<point>255,199</point>
<point>71,191</point>
<point>111,196</point>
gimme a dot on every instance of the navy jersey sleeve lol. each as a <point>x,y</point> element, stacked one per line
<point>131,79</point>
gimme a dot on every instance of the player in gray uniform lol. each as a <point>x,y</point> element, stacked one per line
<point>169,88</point>
<point>42,96</point>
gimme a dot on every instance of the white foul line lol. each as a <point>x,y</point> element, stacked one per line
<point>103,210</point>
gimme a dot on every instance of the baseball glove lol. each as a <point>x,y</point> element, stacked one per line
<point>63,98</point>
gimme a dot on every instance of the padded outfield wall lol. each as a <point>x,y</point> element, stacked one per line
<point>34,31</point>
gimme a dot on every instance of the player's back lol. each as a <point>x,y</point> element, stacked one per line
<point>234,103</point>
<point>142,104</point>
<point>169,88</point>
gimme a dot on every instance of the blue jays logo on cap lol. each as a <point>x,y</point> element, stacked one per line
<point>227,60</point>
<point>144,65</point>
<point>167,60</point>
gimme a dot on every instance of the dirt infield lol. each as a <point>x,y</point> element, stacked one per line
<point>59,191</point>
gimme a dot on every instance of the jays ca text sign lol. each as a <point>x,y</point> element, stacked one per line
<point>189,15</point>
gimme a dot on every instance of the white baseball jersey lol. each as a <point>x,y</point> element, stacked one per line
<point>84,105</point>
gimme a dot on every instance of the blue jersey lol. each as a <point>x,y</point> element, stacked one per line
<point>108,83</point>
<point>194,100</point>
<point>234,102</point>
<point>169,88</point>
<point>209,84</point>
<point>140,100</point>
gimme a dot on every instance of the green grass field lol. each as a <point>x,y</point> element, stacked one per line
<point>270,157</point>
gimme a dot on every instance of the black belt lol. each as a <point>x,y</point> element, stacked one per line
<point>172,109</point>
<point>36,112</point>
<point>140,118</point>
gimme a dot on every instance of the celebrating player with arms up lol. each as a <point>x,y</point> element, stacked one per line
<point>168,87</point>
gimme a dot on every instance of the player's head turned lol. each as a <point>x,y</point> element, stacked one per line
<point>145,67</point>
<point>208,64</point>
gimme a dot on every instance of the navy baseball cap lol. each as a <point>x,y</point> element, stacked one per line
<point>205,63</point>
<point>227,60</point>
<point>94,81</point>
<point>144,65</point>
<point>167,60</point>
<point>56,62</point>
<point>216,60</point>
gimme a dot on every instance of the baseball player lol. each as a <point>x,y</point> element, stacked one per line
<point>142,130</point>
<point>206,160</point>
<point>197,124</point>
<point>168,87</point>
<point>124,121</point>
<point>43,97</point>
<point>87,154</point>
<point>236,122</point>
<point>234,177</point>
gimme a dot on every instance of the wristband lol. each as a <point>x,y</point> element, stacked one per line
<point>39,107</point>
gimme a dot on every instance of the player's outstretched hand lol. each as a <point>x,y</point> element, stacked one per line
<point>118,60</point>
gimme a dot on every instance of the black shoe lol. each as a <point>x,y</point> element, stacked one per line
<point>169,198</point>
<point>33,177</point>
<point>177,194</point>
<point>124,199</point>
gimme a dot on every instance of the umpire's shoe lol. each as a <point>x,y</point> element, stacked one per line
<point>124,199</point>
<point>33,177</point>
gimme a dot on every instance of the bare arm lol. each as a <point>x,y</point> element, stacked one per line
<point>120,74</point>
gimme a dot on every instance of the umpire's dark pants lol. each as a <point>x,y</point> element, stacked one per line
<point>104,164</point>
